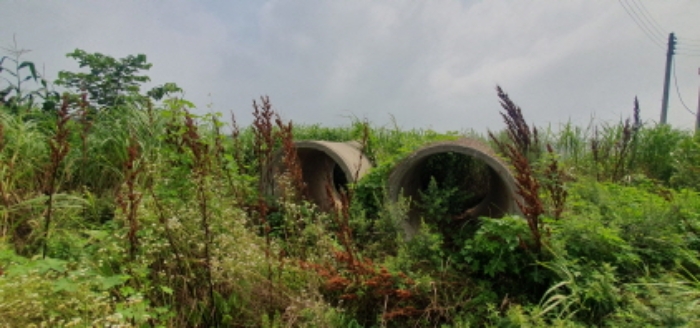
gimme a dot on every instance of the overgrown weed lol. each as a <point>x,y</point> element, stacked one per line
<point>157,220</point>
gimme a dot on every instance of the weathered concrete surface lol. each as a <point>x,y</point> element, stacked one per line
<point>326,164</point>
<point>405,179</point>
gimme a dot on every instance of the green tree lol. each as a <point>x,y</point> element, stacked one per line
<point>111,81</point>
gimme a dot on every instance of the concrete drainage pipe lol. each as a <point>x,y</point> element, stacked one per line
<point>324,164</point>
<point>469,165</point>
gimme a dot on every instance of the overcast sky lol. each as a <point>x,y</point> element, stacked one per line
<point>429,64</point>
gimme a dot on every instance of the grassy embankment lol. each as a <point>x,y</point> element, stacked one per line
<point>142,216</point>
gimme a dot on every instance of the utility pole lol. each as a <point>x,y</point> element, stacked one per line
<point>667,80</point>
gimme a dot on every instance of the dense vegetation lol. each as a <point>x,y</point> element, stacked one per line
<point>123,209</point>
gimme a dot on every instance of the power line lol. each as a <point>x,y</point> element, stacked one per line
<point>641,25</point>
<point>675,79</point>
<point>649,18</point>
<point>653,30</point>
<point>687,50</point>
<point>645,24</point>
<point>654,23</point>
<point>684,50</point>
<point>690,52</point>
<point>651,26</point>
<point>687,54</point>
<point>690,47</point>
<point>691,42</point>
<point>696,41</point>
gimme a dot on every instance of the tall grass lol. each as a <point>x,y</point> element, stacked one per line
<point>159,219</point>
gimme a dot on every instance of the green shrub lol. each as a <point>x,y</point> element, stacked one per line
<point>686,164</point>
<point>496,247</point>
<point>655,149</point>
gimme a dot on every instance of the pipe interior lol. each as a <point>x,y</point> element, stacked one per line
<point>320,171</point>
<point>473,187</point>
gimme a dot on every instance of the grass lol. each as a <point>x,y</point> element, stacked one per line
<point>148,215</point>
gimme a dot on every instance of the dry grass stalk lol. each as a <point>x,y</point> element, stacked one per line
<point>291,158</point>
<point>596,151</point>
<point>528,188</point>
<point>59,147</point>
<point>637,119</point>
<point>361,284</point>
<point>264,141</point>
<point>622,147</point>
<point>555,184</point>
<point>615,155</point>
<point>86,123</point>
<point>150,113</point>
<point>342,218</point>
<point>263,147</point>
<point>263,210</point>
<point>522,141</point>
<point>201,169</point>
<point>237,149</point>
<point>363,147</point>
<point>518,130</point>
<point>359,280</point>
<point>131,201</point>
<point>218,144</point>
<point>220,152</point>
<point>2,136</point>
<point>4,188</point>
<point>168,232</point>
<point>626,143</point>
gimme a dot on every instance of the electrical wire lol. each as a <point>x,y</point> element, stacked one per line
<point>641,25</point>
<point>685,44</point>
<point>683,50</point>
<point>649,18</point>
<point>678,91</point>
<point>687,54</point>
<point>652,29</point>
<point>655,24</point>
<point>694,41</point>
<point>688,49</point>
<point>689,43</point>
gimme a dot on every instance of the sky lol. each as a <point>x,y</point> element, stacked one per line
<point>416,64</point>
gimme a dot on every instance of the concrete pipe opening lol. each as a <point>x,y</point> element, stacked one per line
<point>474,181</point>
<point>325,164</point>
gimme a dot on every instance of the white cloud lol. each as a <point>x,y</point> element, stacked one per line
<point>430,64</point>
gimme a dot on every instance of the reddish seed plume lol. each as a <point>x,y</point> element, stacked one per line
<point>522,141</point>
<point>59,147</point>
